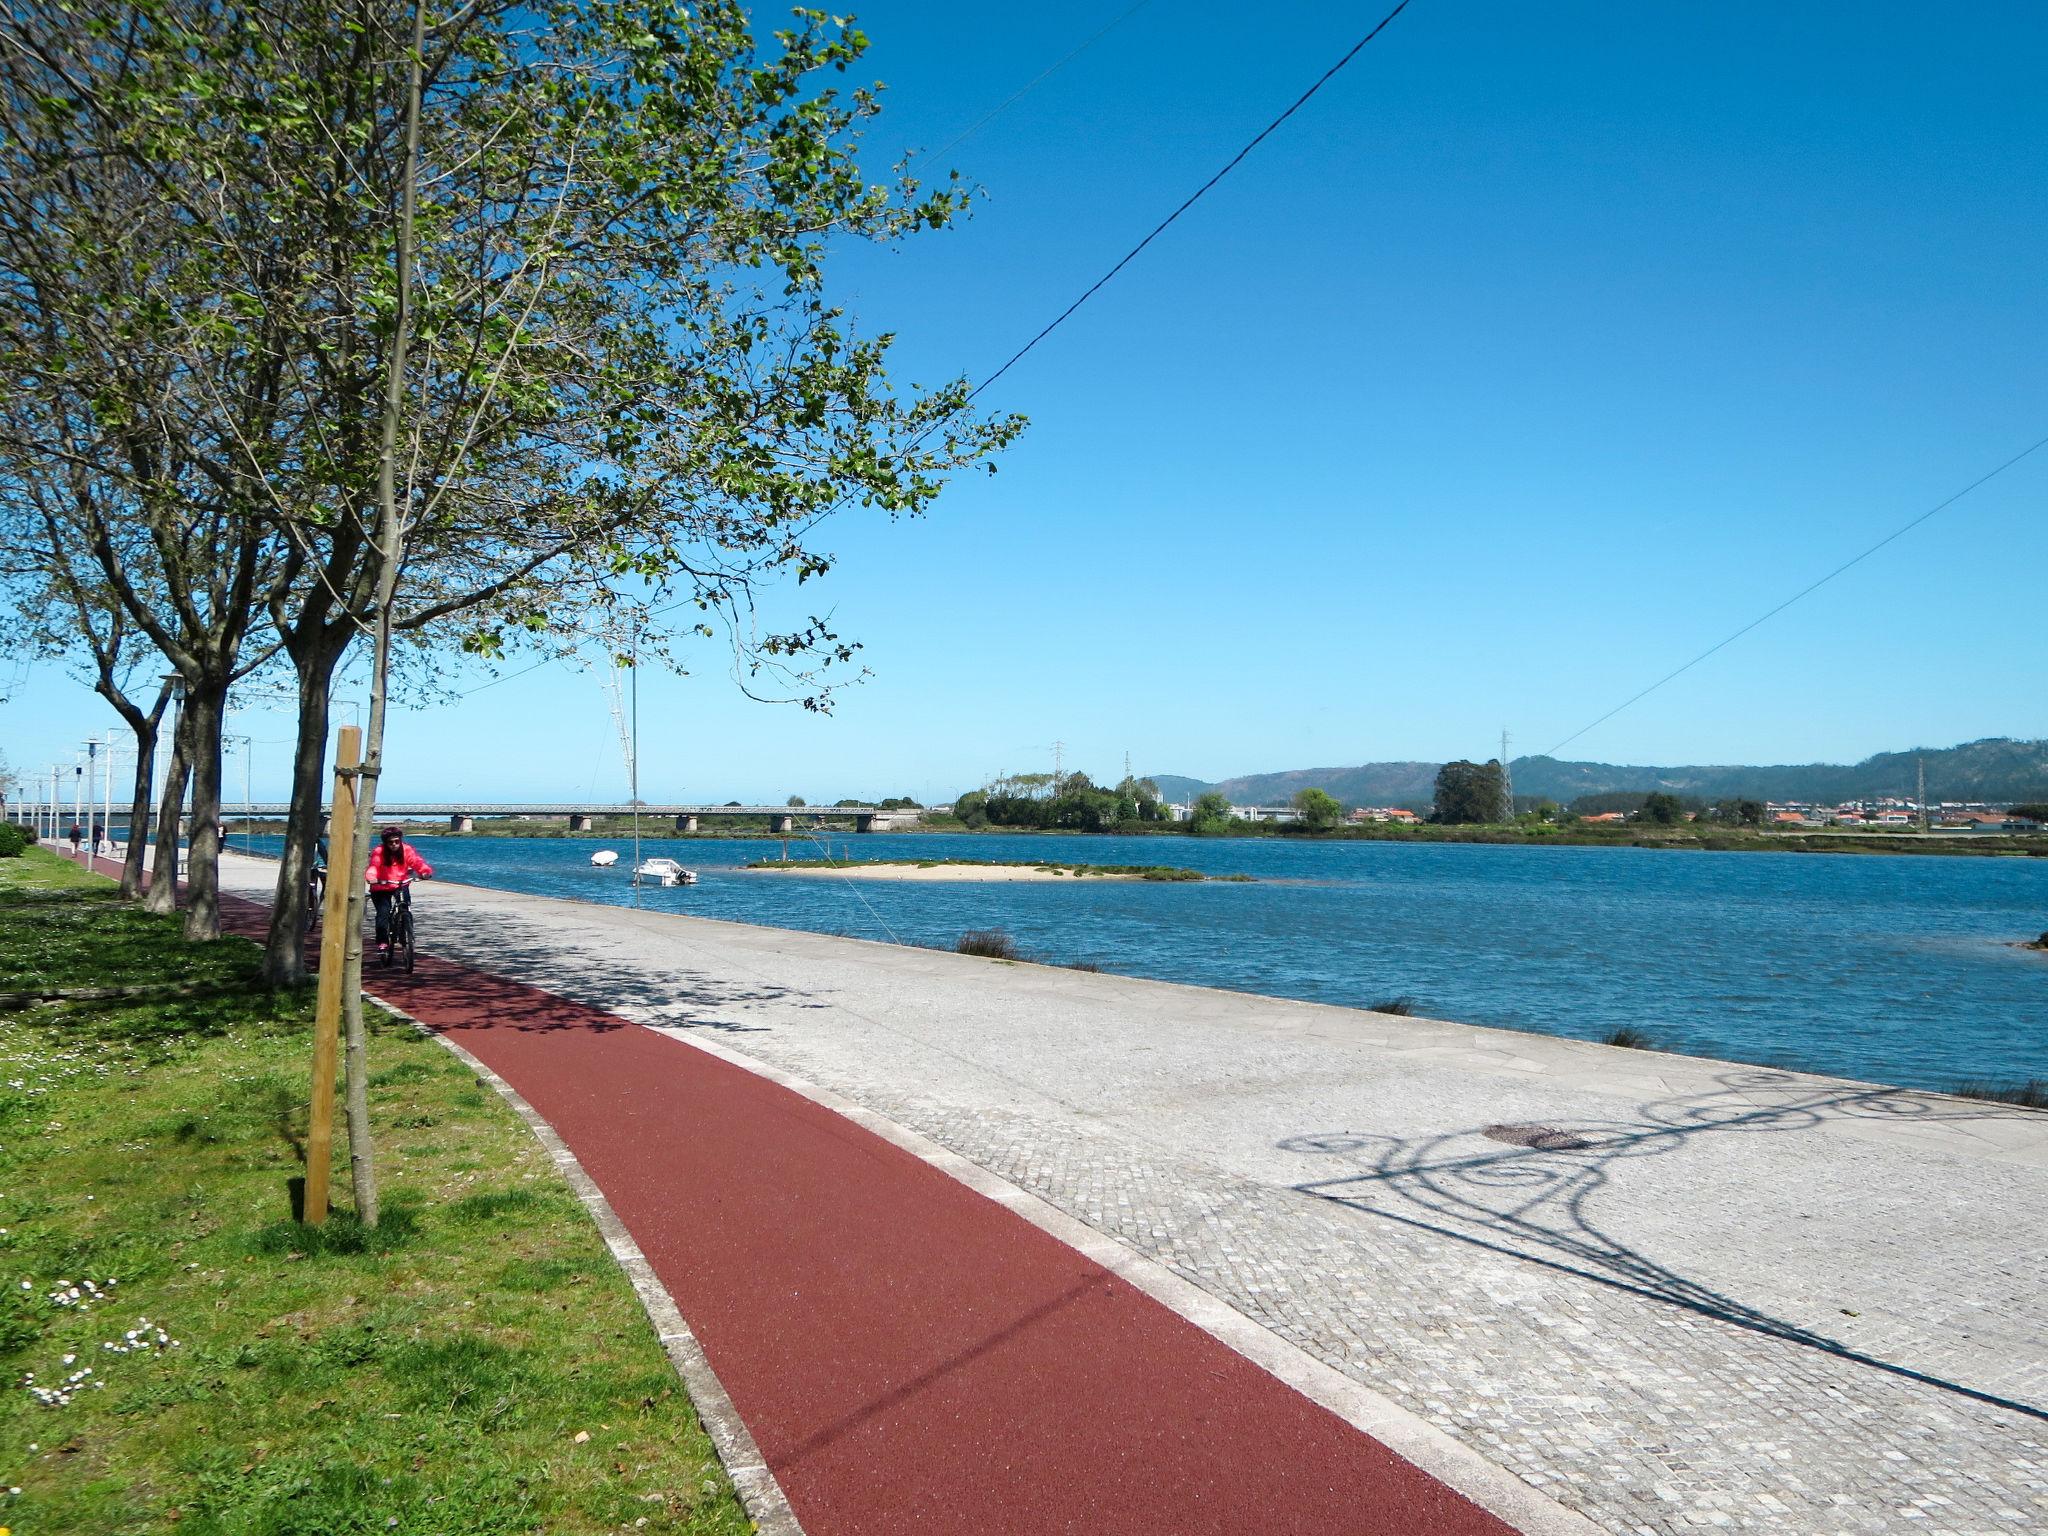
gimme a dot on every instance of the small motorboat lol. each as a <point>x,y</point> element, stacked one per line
<point>604,858</point>
<point>664,872</point>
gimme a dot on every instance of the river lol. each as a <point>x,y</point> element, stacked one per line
<point>1890,969</point>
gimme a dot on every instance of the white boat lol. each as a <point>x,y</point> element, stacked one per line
<point>664,872</point>
<point>604,858</point>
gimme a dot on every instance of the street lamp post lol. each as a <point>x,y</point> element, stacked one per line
<point>92,773</point>
<point>248,807</point>
<point>107,796</point>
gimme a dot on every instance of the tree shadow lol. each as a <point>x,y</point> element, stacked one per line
<point>1535,1202</point>
<point>676,996</point>
<point>534,981</point>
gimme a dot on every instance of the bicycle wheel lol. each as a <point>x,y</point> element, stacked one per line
<point>401,948</point>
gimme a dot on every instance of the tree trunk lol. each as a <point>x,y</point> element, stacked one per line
<point>390,559</point>
<point>205,714</point>
<point>162,895</point>
<point>138,807</point>
<point>144,724</point>
<point>284,952</point>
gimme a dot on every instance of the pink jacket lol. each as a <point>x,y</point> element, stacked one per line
<point>388,874</point>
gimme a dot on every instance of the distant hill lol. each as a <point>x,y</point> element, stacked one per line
<point>1366,784</point>
<point>1995,769</point>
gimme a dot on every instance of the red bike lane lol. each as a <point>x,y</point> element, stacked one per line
<point>909,1355</point>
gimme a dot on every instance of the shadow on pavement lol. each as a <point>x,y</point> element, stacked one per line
<point>522,955</point>
<point>1535,1203</point>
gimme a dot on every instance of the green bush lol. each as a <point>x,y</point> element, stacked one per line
<point>13,839</point>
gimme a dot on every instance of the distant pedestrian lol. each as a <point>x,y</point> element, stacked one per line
<point>77,838</point>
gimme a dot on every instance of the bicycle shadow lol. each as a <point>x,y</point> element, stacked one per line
<point>1530,1196</point>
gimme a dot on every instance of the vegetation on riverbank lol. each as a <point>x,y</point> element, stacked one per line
<point>1716,840</point>
<point>2031,1094</point>
<point>181,1355</point>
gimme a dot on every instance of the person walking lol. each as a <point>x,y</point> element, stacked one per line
<point>394,864</point>
<point>77,838</point>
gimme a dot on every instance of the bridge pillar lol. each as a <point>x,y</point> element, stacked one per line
<point>781,823</point>
<point>686,823</point>
<point>864,821</point>
<point>461,823</point>
<point>580,822</point>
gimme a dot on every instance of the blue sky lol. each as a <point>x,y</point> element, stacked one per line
<point>1541,350</point>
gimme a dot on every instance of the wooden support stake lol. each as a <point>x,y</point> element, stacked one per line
<point>341,848</point>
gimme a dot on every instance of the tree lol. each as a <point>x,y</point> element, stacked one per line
<point>591,372</point>
<point>1467,792</point>
<point>795,802</point>
<point>1318,809</point>
<point>971,809</point>
<point>1210,812</point>
<point>1662,810</point>
<point>1738,812</point>
<point>599,352</point>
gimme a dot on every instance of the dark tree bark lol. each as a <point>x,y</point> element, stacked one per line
<point>162,895</point>
<point>205,713</point>
<point>284,954</point>
<point>144,723</point>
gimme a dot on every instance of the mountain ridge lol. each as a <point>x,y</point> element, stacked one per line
<point>1993,768</point>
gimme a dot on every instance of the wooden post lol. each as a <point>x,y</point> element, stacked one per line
<point>341,843</point>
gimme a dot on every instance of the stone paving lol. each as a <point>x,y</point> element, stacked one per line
<point>1747,1300</point>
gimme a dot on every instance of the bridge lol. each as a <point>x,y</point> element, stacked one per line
<point>462,815</point>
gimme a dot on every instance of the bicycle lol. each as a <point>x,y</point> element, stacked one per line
<point>400,950</point>
<point>316,896</point>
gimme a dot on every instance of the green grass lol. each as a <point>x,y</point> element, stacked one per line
<point>428,1377</point>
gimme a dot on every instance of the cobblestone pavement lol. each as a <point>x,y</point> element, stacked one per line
<point>1723,1298</point>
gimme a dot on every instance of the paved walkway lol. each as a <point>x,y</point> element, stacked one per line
<point>1750,1299</point>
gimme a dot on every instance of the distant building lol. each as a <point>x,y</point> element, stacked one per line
<point>1385,813</point>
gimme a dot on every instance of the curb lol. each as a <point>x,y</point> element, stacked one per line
<point>1414,1439</point>
<point>759,1493</point>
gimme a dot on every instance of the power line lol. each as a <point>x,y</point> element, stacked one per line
<point>1129,256</point>
<point>1808,590</point>
<point>1195,197</point>
<point>1031,85</point>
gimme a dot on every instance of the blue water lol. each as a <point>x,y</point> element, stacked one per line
<point>1890,969</point>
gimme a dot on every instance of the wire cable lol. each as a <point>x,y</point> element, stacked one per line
<point>852,886</point>
<point>1193,198</point>
<point>1031,85</point>
<point>1805,591</point>
<point>1128,257</point>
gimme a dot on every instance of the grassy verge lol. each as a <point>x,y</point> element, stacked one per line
<point>1162,872</point>
<point>475,1366</point>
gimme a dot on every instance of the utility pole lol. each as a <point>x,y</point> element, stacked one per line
<point>1507,780</point>
<point>107,795</point>
<point>1921,795</point>
<point>1059,749</point>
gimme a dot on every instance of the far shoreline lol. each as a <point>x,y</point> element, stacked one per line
<point>1894,844</point>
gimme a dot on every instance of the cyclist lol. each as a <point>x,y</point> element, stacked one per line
<point>316,877</point>
<point>394,864</point>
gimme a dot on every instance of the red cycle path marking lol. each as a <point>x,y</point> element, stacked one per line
<point>910,1356</point>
